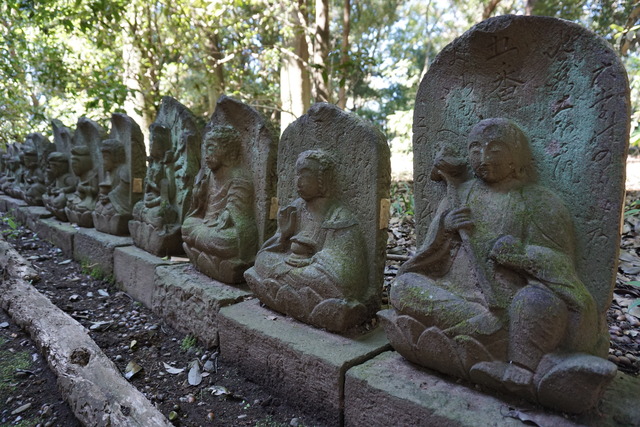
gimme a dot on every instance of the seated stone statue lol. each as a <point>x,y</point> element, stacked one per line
<point>220,233</point>
<point>314,267</point>
<point>493,295</point>
<point>62,183</point>
<point>13,172</point>
<point>113,209</point>
<point>82,202</point>
<point>155,223</point>
<point>33,185</point>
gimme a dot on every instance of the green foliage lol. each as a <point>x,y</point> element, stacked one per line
<point>402,200</point>
<point>188,342</point>
<point>13,232</point>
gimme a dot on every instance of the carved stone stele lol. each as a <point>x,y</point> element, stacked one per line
<point>520,140</point>
<point>85,165</point>
<point>61,182</point>
<point>229,214</point>
<point>325,263</point>
<point>174,161</point>
<point>35,150</point>
<point>14,170</point>
<point>122,174</point>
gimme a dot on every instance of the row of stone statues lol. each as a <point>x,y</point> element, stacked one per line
<point>502,292</point>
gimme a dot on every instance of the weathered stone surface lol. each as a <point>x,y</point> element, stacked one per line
<point>61,182</point>
<point>499,291</point>
<point>174,162</point>
<point>30,215</point>
<point>15,169</point>
<point>305,365</point>
<point>388,390</point>
<point>35,151</point>
<point>96,391</point>
<point>13,205</point>
<point>324,265</point>
<point>123,170</point>
<point>96,249</point>
<point>189,301</point>
<point>229,216</point>
<point>58,233</point>
<point>568,91</point>
<point>85,164</point>
<point>134,270</point>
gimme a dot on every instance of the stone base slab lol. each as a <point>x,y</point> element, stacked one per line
<point>30,215</point>
<point>96,248</point>
<point>389,390</point>
<point>60,234</point>
<point>135,270</point>
<point>189,301</point>
<point>10,205</point>
<point>305,365</point>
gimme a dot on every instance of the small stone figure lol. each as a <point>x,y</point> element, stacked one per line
<point>85,164</point>
<point>220,234</point>
<point>33,185</point>
<point>314,267</point>
<point>14,170</point>
<point>62,183</point>
<point>493,294</point>
<point>123,171</point>
<point>174,160</point>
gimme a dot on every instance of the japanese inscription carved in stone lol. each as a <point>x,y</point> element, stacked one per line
<point>517,123</point>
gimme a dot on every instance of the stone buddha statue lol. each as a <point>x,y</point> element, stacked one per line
<point>113,208</point>
<point>155,217</point>
<point>314,267</point>
<point>493,294</point>
<point>33,185</point>
<point>219,233</point>
<point>82,202</point>
<point>61,184</point>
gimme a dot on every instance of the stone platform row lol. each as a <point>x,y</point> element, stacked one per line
<point>347,381</point>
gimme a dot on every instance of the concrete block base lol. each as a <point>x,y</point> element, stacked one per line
<point>11,205</point>
<point>389,390</point>
<point>30,215</point>
<point>189,301</point>
<point>60,234</point>
<point>97,248</point>
<point>305,365</point>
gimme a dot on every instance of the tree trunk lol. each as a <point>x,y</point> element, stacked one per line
<point>320,70</point>
<point>216,84</point>
<point>344,57</point>
<point>295,85</point>
<point>490,8</point>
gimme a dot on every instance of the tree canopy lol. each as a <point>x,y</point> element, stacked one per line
<point>62,59</point>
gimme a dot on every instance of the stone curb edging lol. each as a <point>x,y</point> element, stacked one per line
<point>87,378</point>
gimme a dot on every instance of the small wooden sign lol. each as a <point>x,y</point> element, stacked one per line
<point>137,185</point>
<point>385,213</point>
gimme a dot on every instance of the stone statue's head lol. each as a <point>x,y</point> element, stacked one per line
<point>160,136</point>
<point>499,150</point>
<point>30,156</point>
<point>81,161</point>
<point>112,153</point>
<point>57,164</point>
<point>315,172</point>
<point>222,146</point>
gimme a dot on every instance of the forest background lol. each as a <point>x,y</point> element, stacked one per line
<point>62,59</point>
